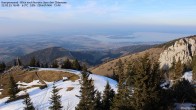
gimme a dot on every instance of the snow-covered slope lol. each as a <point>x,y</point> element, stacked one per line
<point>40,98</point>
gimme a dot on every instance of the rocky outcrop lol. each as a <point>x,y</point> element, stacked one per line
<point>182,50</point>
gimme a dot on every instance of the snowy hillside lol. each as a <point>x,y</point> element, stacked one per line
<point>68,91</point>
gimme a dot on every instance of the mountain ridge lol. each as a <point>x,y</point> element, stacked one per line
<point>154,52</point>
<point>92,58</point>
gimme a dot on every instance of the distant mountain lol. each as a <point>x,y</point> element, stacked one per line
<point>183,49</point>
<point>16,46</point>
<point>132,49</point>
<point>92,58</point>
<point>47,55</point>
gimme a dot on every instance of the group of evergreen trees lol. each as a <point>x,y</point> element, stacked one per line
<point>55,99</point>
<point>142,77</point>
<point>67,64</point>
<point>36,63</point>
<point>177,69</point>
<point>139,87</point>
<point>17,62</point>
<point>92,99</point>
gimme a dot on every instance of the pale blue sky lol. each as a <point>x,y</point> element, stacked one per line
<point>112,16</point>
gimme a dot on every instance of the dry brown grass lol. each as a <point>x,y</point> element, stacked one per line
<point>106,69</point>
<point>69,88</point>
<point>56,75</point>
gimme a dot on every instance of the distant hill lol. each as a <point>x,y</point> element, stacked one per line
<point>47,55</point>
<point>132,49</point>
<point>92,58</point>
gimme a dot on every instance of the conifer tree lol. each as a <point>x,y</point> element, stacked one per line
<point>173,64</point>
<point>46,65</point>
<point>187,66</point>
<point>15,64</point>
<point>84,68</point>
<point>87,91</point>
<point>130,74</point>
<point>179,69</point>
<point>166,99</point>
<point>55,64</point>
<point>37,63</point>
<point>171,70</point>
<point>32,62</point>
<point>184,92</point>
<point>121,74</point>
<point>66,64</point>
<point>28,103</point>
<point>193,64</point>
<point>108,95</point>
<point>193,61</point>
<point>2,66</point>
<point>76,65</point>
<point>146,85</point>
<point>122,98</point>
<point>194,73</point>
<point>98,103</point>
<point>13,90</point>
<point>42,65</point>
<point>115,76</point>
<point>18,62</point>
<point>55,99</point>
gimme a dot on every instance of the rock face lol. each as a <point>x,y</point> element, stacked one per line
<point>182,50</point>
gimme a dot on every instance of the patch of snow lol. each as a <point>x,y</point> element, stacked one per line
<point>0,91</point>
<point>100,82</point>
<point>65,78</point>
<point>188,76</point>
<point>185,106</point>
<point>21,93</point>
<point>25,85</point>
<point>41,98</point>
<point>166,84</point>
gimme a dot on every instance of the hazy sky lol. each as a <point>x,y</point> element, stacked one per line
<point>101,16</point>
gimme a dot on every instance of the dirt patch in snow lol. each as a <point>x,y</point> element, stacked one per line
<point>69,88</point>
